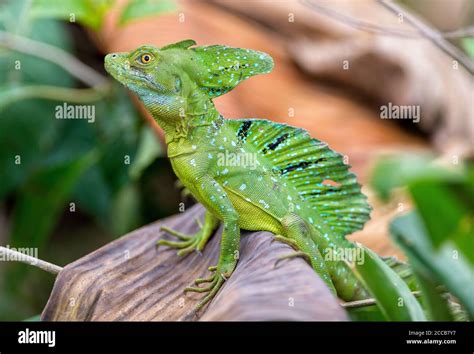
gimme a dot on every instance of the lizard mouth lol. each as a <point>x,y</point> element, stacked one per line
<point>116,67</point>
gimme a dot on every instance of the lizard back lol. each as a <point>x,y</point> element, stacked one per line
<point>317,182</point>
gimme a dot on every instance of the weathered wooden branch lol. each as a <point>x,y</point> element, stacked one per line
<point>131,280</point>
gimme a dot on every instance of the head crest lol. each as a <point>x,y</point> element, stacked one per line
<point>222,68</point>
<point>180,45</point>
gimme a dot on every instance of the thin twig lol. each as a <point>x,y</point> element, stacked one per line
<point>459,33</point>
<point>368,302</point>
<point>52,93</point>
<point>53,54</point>
<point>433,35</point>
<point>24,258</point>
<point>389,31</point>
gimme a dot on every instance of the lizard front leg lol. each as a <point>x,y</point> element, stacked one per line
<point>190,243</point>
<point>216,200</point>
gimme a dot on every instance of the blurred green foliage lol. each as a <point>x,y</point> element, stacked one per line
<point>91,13</point>
<point>438,236</point>
<point>143,8</point>
<point>50,166</point>
<point>394,298</point>
<point>468,45</point>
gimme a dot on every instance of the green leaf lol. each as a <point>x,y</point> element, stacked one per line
<point>446,213</point>
<point>444,196</point>
<point>36,318</point>
<point>403,270</point>
<point>393,295</point>
<point>125,213</point>
<point>93,195</point>
<point>366,313</point>
<point>115,134</point>
<point>445,265</point>
<point>58,9</point>
<point>397,171</point>
<point>437,306</point>
<point>86,12</point>
<point>468,44</point>
<point>149,149</point>
<point>42,199</point>
<point>28,128</point>
<point>137,9</point>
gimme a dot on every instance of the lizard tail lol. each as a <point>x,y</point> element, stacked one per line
<point>318,250</point>
<point>348,286</point>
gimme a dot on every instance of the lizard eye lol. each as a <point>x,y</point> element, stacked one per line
<point>145,58</point>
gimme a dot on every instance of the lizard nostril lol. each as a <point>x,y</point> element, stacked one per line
<point>113,56</point>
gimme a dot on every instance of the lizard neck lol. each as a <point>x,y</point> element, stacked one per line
<point>181,117</point>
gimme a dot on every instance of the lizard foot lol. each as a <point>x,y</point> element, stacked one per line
<point>286,240</point>
<point>215,282</point>
<point>187,243</point>
<point>293,255</point>
<point>293,244</point>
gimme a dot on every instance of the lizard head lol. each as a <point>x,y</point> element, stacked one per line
<point>154,74</point>
<point>141,70</point>
<point>178,78</point>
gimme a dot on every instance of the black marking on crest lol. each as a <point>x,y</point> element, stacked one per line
<point>244,130</point>
<point>290,168</point>
<point>272,146</point>
<point>320,160</point>
<point>302,164</point>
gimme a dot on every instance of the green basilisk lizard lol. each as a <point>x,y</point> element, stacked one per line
<point>250,174</point>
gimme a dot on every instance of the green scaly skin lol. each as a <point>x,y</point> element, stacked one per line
<point>177,83</point>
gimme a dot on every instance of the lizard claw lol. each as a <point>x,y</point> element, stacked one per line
<point>187,243</point>
<point>216,280</point>
<point>191,243</point>
<point>175,233</point>
<point>221,274</point>
<point>286,240</point>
